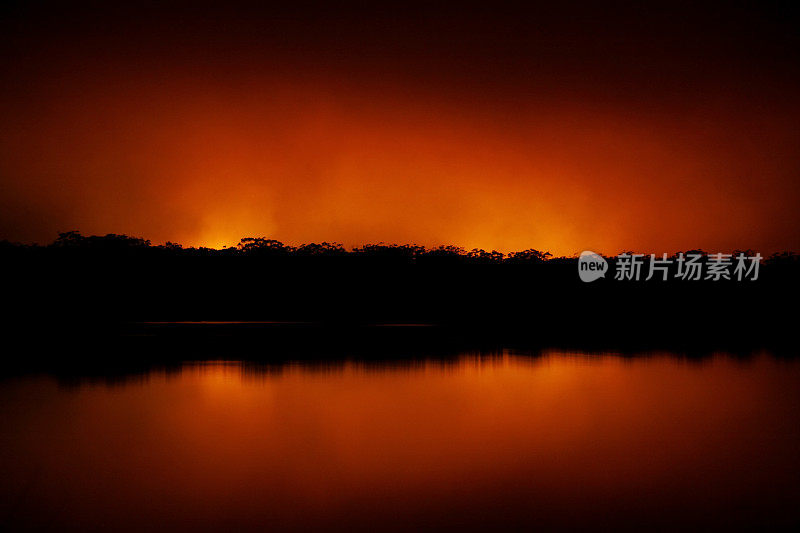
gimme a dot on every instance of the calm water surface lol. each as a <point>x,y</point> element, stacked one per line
<point>562,440</point>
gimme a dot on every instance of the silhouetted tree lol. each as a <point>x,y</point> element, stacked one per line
<point>261,246</point>
<point>529,256</point>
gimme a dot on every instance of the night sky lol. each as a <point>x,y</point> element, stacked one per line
<point>646,126</point>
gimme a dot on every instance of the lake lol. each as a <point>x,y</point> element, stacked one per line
<point>558,440</point>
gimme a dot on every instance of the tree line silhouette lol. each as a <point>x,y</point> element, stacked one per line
<point>122,285</point>
<point>116,244</point>
<point>264,247</point>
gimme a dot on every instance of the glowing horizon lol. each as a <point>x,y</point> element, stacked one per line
<point>661,149</point>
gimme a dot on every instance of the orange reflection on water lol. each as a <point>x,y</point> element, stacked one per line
<point>561,440</point>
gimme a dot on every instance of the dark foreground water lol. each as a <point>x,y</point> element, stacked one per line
<point>559,441</point>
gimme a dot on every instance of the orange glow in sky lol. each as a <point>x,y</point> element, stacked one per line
<point>205,153</point>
